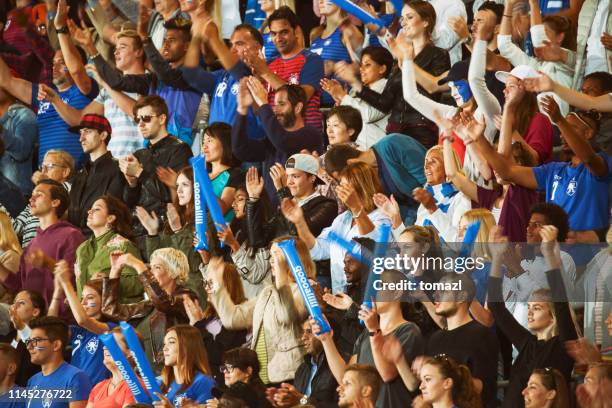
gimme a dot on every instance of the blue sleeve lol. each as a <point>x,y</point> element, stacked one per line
<point>240,70</point>
<point>541,174</point>
<point>94,91</point>
<point>201,390</point>
<point>312,71</point>
<point>608,160</point>
<point>81,386</point>
<point>200,79</point>
<point>35,102</point>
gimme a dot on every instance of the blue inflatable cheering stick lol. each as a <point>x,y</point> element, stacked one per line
<point>140,358</point>
<point>308,295</point>
<point>469,238</point>
<point>205,187</point>
<point>379,252</point>
<point>140,395</point>
<point>199,204</point>
<point>358,12</point>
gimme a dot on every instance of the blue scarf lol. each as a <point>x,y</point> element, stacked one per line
<point>442,194</point>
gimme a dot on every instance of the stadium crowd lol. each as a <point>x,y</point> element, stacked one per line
<point>462,127</point>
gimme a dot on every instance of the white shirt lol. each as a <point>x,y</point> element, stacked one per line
<point>230,15</point>
<point>596,53</point>
<point>446,223</point>
<point>518,290</point>
<point>324,248</point>
<point>443,36</point>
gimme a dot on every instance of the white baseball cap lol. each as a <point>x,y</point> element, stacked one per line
<point>520,72</point>
<point>305,163</point>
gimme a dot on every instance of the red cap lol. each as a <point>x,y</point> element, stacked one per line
<point>92,121</point>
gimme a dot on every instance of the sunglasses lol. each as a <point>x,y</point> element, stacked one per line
<point>144,118</point>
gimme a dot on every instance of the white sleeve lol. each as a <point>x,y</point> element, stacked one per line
<point>538,35</point>
<point>369,114</point>
<point>513,53</point>
<point>443,35</point>
<point>447,223</point>
<point>485,100</point>
<point>418,101</point>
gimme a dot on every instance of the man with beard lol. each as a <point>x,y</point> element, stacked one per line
<point>314,383</point>
<point>74,91</point>
<point>100,175</point>
<point>283,123</point>
<point>464,339</point>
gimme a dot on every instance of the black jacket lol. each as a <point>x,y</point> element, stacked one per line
<point>323,389</point>
<point>92,181</point>
<point>319,212</point>
<point>150,192</point>
<point>432,59</point>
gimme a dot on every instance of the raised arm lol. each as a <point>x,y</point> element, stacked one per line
<point>70,115</point>
<point>418,101</point>
<point>456,176</point>
<point>19,88</point>
<point>577,99</point>
<point>485,100</point>
<point>72,58</point>
<point>504,166</point>
<point>580,146</point>
<point>62,272</point>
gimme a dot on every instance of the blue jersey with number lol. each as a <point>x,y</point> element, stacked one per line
<point>200,390</point>
<point>87,353</point>
<point>57,390</point>
<point>583,196</point>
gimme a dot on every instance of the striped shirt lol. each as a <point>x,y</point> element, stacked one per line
<point>126,138</point>
<point>52,130</point>
<point>305,68</point>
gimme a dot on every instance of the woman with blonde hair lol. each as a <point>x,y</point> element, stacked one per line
<point>218,338</point>
<point>10,253</point>
<point>359,183</point>
<point>275,315</point>
<point>442,205</point>
<point>186,373</point>
<point>550,323</point>
<point>163,282</point>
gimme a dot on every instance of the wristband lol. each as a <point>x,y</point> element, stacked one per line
<point>62,30</point>
<point>374,333</point>
<point>509,16</point>
<point>355,216</point>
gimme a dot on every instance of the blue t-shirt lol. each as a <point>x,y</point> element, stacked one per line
<point>583,196</point>
<point>330,49</point>
<point>200,390</point>
<point>53,131</point>
<point>10,398</point>
<point>222,88</point>
<point>74,382</point>
<point>87,353</point>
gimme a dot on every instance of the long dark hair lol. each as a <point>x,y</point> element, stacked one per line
<point>223,133</point>
<point>525,112</point>
<point>122,224</point>
<point>552,379</point>
<point>463,392</point>
<point>186,212</point>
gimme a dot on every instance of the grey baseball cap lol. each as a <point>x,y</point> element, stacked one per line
<point>305,163</point>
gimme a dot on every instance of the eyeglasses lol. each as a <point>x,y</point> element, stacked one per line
<point>144,118</point>
<point>34,341</point>
<point>534,224</point>
<point>226,368</point>
<point>49,167</point>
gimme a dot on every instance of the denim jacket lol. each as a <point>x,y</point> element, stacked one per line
<point>19,133</point>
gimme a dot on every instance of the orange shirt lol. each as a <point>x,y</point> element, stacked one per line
<point>121,395</point>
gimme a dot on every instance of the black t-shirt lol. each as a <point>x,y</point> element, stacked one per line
<point>393,394</point>
<point>475,346</point>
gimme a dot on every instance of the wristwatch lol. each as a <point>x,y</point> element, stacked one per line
<point>304,400</point>
<point>62,30</point>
